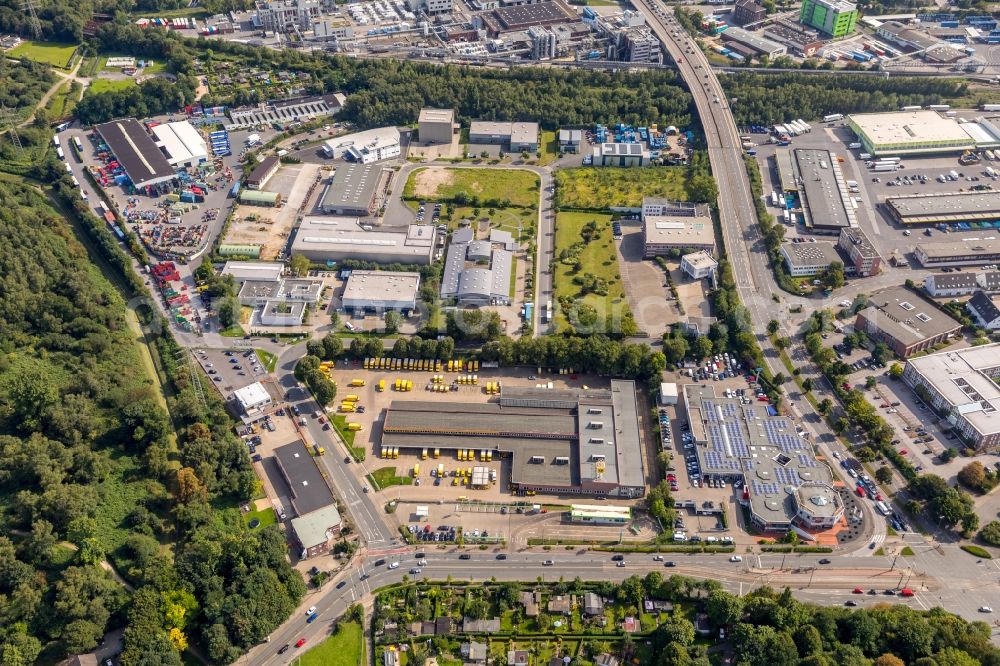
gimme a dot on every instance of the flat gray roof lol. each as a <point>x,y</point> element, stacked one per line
<point>353,186</point>
<point>309,489</point>
<point>344,235</point>
<point>959,207</point>
<point>381,286</point>
<point>860,241</point>
<point>462,278</point>
<point>627,428</point>
<point>311,528</point>
<point>754,41</point>
<point>967,247</point>
<point>964,378</point>
<point>786,172</point>
<point>819,189</point>
<point>136,151</point>
<point>820,253</point>
<point>428,115</point>
<point>733,439</point>
<point>906,316</point>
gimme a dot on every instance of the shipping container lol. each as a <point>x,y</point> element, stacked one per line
<point>939,107</point>
<point>833,117</point>
<point>881,168</point>
<point>909,108</point>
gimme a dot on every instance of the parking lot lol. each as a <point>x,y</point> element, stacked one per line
<point>231,369</point>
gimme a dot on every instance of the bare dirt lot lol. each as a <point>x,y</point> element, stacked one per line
<point>427,181</point>
<point>270,227</point>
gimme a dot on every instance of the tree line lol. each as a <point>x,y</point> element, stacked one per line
<point>781,97</point>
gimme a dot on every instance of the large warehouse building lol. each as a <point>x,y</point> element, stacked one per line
<point>674,225</point>
<point>961,252</point>
<point>821,188</point>
<point>516,136</point>
<point>476,272</point>
<point>436,126</point>
<point>381,291</point>
<point>324,239</point>
<point>912,133</point>
<point>586,442</point>
<point>957,208</point>
<point>181,143</point>
<point>356,189</point>
<point>836,18</point>
<point>905,321</point>
<point>784,486</point>
<point>961,382</point>
<point>140,157</point>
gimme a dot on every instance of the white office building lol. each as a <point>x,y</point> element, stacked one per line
<point>365,147</point>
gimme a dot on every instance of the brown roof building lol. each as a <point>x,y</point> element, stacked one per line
<point>748,11</point>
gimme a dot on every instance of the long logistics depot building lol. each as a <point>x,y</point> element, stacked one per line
<point>957,208</point>
<point>583,442</point>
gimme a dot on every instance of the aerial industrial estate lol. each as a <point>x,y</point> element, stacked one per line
<point>466,342</point>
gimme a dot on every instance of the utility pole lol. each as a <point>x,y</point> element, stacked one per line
<point>7,117</point>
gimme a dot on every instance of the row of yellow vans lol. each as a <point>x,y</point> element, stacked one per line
<point>403,385</point>
<point>437,454</point>
<point>385,363</point>
<point>425,365</point>
<point>349,403</point>
<point>492,388</point>
<point>469,454</point>
<point>467,379</point>
<point>439,388</point>
<point>389,452</point>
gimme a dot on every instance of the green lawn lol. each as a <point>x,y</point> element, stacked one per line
<point>596,258</point>
<point>234,331</point>
<point>385,477</point>
<point>265,516</point>
<point>267,359</point>
<point>52,53</point>
<point>61,104</point>
<point>601,187</point>
<point>549,148</point>
<point>906,552</point>
<point>518,187</point>
<point>109,85</point>
<point>344,648</point>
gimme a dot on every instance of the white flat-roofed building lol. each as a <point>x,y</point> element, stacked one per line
<point>365,147</point>
<point>671,225</point>
<point>699,265</point>
<point>381,291</point>
<point>805,259</point>
<point>668,393</point>
<point>436,126</point>
<point>754,42</point>
<point>282,313</point>
<point>909,133</point>
<point>596,514</point>
<point>948,208</point>
<point>257,271</point>
<point>252,400</point>
<point>818,505</point>
<point>961,383</point>
<point>322,239</point>
<point>181,143</point>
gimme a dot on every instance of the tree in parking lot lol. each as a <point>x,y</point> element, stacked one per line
<point>229,311</point>
<point>702,348</point>
<point>393,320</point>
<point>772,326</point>
<point>895,371</point>
<point>870,382</point>
<point>883,474</point>
<point>990,533</point>
<point>824,405</point>
<point>973,475</point>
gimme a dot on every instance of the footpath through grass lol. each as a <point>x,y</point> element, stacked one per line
<point>51,53</point>
<point>516,187</point>
<point>344,648</point>
<point>597,188</point>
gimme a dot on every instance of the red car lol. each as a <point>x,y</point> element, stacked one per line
<point>847,387</point>
<point>671,477</point>
<point>903,452</point>
<point>857,590</point>
<point>300,642</point>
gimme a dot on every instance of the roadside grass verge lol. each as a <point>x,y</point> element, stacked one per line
<point>339,422</point>
<point>906,552</point>
<point>385,477</point>
<point>343,648</point>
<point>597,188</point>
<point>267,359</point>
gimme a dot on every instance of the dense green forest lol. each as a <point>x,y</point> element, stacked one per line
<point>90,472</point>
<point>778,98</point>
<point>22,84</point>
<point>386,92</point>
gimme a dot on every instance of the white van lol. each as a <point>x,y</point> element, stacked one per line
<point>680,536</point>
<point>736,558</point>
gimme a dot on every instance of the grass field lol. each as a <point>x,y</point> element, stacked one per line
<point>601,187</point>
<point>596,258</point>
<point>52,53</point>
<point>108,85</point>
<point>344,648</point>
<point>265,516</point>
<point>386,476</point>
<point>267,359</point>
<point>518,187</point>
<point>61,104</point>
